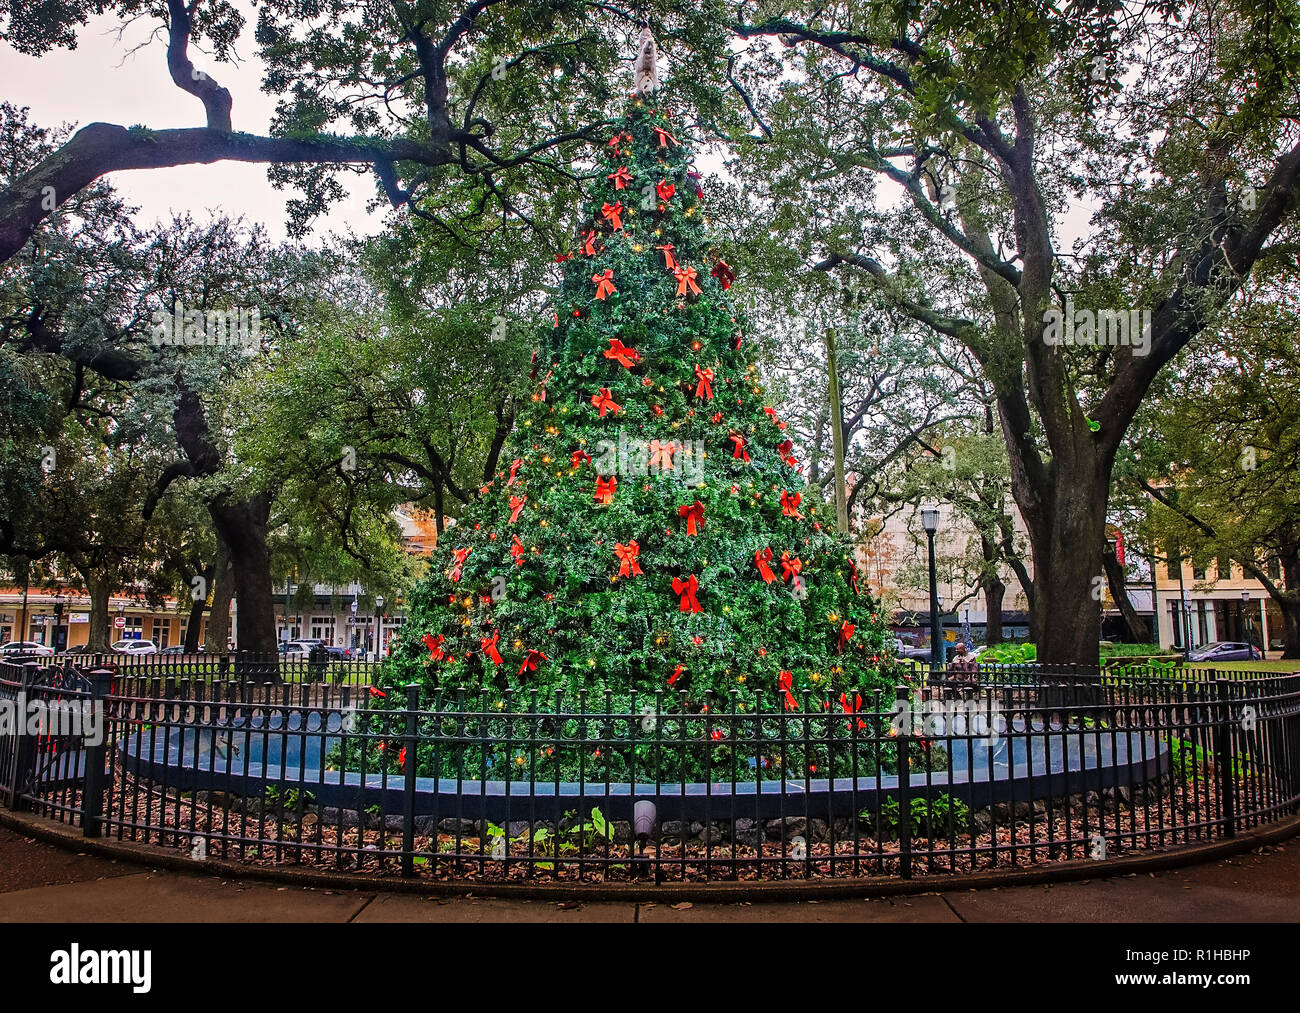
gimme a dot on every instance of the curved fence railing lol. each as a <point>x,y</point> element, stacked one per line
<point>947,774</point>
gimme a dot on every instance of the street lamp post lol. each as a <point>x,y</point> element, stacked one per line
<point>60,642</point>
<point>930,522</point>
<point>1247,625</point>
<point>379,626</point>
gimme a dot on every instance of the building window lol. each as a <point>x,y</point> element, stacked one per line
<point>1198,571</point>
<point>322,628</point>
<point>1175,624</point>
<point>1224,567</point>
<point>1275,569</point>
<point>160,632</point>
<point>1173,567</point>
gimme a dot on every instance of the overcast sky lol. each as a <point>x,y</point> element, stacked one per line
<point>100,81</point>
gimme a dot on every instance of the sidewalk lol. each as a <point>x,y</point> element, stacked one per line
<point>39,882</point>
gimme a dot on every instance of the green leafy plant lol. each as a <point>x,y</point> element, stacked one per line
<point>936,815</point>
<point>1010,654</point>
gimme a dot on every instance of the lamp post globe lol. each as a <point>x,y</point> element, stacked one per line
<point>930,522</point>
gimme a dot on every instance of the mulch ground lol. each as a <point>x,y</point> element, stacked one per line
<point>147,816</point>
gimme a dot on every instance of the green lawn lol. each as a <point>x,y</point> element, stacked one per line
<point>1256,666</point>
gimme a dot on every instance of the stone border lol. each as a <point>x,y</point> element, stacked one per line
<point>69,838</point>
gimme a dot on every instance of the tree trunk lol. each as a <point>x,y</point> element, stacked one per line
<point>837,432</point>
<point>242,526</point>
<point>1138,631</point>
<point>223,590</point>
<point>1066,522</point>
<point>100,589</point>
<point>994,593</point>
<point>1290,607</point>
<point>1289,600</point>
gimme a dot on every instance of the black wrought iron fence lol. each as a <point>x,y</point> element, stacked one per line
<point>238,666</point>
<point>948,774</point>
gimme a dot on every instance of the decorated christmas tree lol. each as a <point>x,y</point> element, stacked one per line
<point>649,529</point>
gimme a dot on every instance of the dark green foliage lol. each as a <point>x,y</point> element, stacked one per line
<point>563,596</point>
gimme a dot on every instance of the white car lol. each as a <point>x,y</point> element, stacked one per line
<point>27,648</point>
<point>135,647</point>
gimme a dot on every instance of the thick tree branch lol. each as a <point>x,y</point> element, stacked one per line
<point>216,99</point>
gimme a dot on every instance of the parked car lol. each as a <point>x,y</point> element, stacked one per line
<point>135,647</point>
<point>1226,650</point>
<point>340,653</point>
<point>180,649</point>
<point>25,648</point>
<point>906,650</point>
<point>294,648</point>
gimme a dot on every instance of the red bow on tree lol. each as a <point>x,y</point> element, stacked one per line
<point>620,177</point>
<point>514,467</point>
<point>694,514</point>
<point>686,280</point>
<point>489,646</point>
<point>604,402</point>
<point>517,551</point>
<point>853,576</point>
<point>661,455</point>
<point>605,488</point>
<point>670,261</point>
<point>435,646</point>
<point>677,673</point>
<point>615,140</point>
<point>579,456</point>
<point>784,449</point>
<point>588,247</point>
<point>761,558</point>
<point>852,708</point>
<point>665,191</point>
<point>770,412</point>
<point>461,556</point>
<point>560,258</point>
<point>790,567</point>
<point>530,661</point>
<point>516,504</point>
<point>664,137</point>
<point>790,504</point>
<point>604,284</point>
<point>620,353</point>
<point>784,684</point>
<point>723,272</point>
<point>704,388</point>
<point>687,588</point>
<point>846,634</point>
<point>740,451</point>
<point>612,213</point>
<point>628,566</point>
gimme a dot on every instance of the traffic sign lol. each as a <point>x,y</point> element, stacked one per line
<point>119,622</point>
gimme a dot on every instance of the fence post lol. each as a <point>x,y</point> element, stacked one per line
<point>904,786</point>
<point>24,767</point>
<point>408,771</point>
<point>92,795</point>
<point>1223,755</point>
